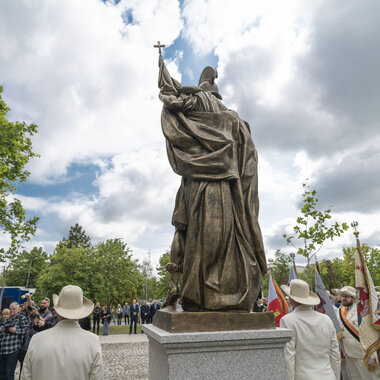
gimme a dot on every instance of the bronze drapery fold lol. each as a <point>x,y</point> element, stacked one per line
<point>218,242</point>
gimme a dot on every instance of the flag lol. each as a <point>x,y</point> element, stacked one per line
<point>274,302</point>
<point>327,308</point>
<point>326,305</point>
<point>281,298</point>
<point>366,300</point>
<point>292,274</point>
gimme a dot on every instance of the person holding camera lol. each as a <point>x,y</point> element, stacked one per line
<point>14,327</point>
<point>66,351</point>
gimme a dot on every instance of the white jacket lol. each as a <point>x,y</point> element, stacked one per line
<point>64,352</point>
<point>313,351</point>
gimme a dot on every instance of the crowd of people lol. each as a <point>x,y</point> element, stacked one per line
<point>19,323</point>
<point>134,314</point>
<point>315,350</point>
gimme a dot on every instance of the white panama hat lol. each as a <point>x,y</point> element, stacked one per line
<point>71,304</point>
<point>299,292</point>
<point>348,291</point>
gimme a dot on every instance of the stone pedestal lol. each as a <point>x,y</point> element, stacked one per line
<point>245,354</point>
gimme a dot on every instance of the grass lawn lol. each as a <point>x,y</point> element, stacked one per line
<point>122,329</point>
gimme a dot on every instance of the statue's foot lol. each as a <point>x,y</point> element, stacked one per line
<point>172,297</point>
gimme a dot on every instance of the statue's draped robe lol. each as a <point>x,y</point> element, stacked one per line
<point>216,209</point>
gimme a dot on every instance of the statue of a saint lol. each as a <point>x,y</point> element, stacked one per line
<point>217,246</point>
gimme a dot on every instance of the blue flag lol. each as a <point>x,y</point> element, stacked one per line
<point>292,274</point>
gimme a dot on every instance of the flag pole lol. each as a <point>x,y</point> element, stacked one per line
<point>354,225</point>
<point>293,256</point>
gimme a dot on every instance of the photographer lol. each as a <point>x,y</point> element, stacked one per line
<point>39,318</point>
<point>10,341</point>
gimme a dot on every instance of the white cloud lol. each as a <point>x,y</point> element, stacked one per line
<point>302,74</point>
<point>136,192</point>
<point>87,79</point>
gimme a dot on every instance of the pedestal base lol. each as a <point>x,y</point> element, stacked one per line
<point>250,354</point>
<point>173,319</point>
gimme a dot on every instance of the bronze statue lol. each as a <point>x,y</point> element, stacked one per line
<point>217,245</point>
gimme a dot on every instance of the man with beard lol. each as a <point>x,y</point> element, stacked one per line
<point>45,314</point>
<point>349,336</point>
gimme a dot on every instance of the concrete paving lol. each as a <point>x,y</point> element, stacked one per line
<point>123,338</point>
<point>125,356</point>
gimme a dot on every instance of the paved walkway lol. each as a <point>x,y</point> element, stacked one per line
<point>123,338</point>
<point>125,357</point>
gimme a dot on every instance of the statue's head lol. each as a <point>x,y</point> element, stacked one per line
<point>207,81</point>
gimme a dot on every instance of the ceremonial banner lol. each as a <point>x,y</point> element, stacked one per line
<point>325,306</point>
<point>366,299</point>
<point>281,298</point>
<point>274,303</point>
<point>292,274</point>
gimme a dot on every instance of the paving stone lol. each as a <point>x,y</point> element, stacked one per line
<point>125,361</point>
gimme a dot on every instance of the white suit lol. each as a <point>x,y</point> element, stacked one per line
<point>64,352</point>
<point>313,351</point>
<point>352,348</point>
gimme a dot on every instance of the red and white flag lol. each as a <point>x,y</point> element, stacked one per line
<point>274,303</point>
<point>366,300</point>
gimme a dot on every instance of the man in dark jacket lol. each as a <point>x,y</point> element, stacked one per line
<point>96,316</point>
<point>145,313</point>
<point>134,313</point>
<point>153,308</point>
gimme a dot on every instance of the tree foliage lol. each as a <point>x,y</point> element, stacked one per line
<point>15,153</point>
<point>149,285</point>
<point>69,266</point>
<point>77,238</point>
<point>163,276</point>
<point>279,267</point>
<point>106,273</point>
<point>34,261</point>
<point>313,227</point>
<point>120,274</point>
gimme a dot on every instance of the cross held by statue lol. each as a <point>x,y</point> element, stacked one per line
<point>159,46</point>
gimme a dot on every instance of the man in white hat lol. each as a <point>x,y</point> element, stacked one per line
<point>65,351</point>
<point>349,336</point>
<point>313,351</point>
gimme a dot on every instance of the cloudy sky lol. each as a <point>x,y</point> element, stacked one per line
<point>305,75</point>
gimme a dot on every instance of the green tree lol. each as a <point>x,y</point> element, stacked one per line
<point>77,238</point>
<point>15,153</point>
<point>313,228</point>
<point>120,275</point>
<point>281,270</point>
<point>346,265</point>
<point>163,276</point>
<point>70,266</point>
<point>329,274</point>
<point>25,268</point>
<point>279,267</point>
